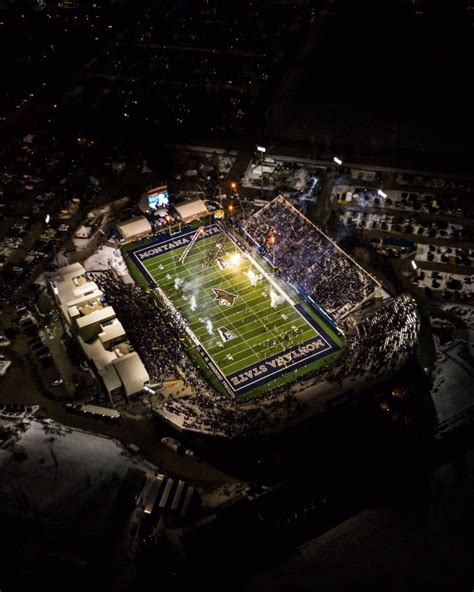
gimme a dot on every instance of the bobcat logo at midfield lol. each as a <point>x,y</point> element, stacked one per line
<point>225,334</point>
<point>223,297</point>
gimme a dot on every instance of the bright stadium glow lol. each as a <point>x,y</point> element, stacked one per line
<point>413,264</point>
<point>261,148</point>
<point>381,193</point>
<point>235,259</point>
<point>337,160</point>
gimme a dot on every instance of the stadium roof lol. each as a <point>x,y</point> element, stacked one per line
<point>102,314</point>
<point>110,377</point>
<point>192,210</point>
<point>111,331</point>
<point>132,372</point>
<point>134,228</point>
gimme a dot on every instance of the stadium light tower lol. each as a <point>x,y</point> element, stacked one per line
<point>235,190</point>
<point>55,253</point>
<point>149,391</point>
<point>262,151</point>
<point>338,162</point>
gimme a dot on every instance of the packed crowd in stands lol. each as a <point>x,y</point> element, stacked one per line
<point>369,353</point>
<point>308,258</point>
<point>156,341</point>
<point>382,342</point>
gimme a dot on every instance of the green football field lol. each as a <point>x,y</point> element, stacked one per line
<point>249,328</point>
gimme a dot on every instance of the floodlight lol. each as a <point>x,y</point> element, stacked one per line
<point>337,160</point>
<point>235,259</point>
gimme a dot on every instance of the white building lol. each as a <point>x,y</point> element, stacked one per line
<point>99,333</point>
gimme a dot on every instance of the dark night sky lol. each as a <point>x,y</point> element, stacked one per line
<point>381,71</point>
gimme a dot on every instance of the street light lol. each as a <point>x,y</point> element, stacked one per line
<point>149,391</point>
<point>338,162</point>
<point>48,220</point>
<point>262,151</point>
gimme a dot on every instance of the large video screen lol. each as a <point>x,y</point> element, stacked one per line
<point>158,200</point>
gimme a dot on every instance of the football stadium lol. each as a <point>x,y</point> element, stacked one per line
<point>251,329</point>
<point>267,307</point>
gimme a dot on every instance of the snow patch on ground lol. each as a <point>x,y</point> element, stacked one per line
<point>61,469</point>
<point>106,258</point>
<point>452,390</point>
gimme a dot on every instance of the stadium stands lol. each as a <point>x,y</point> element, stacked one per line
<point>307,257</point>
<point>370,355</point>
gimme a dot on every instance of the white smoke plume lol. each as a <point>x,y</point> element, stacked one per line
<point>252,277</point>
<point>193,303</point>
<point>193,286</point>
<point>275,298</point>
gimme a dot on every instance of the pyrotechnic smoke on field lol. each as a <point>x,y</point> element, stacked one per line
<point>252,277</point>
<point>192,287</point>
<point>209,326</point>
<point>275,298</point>
<point>193,303</point>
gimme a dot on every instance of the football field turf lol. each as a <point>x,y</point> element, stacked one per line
<point>252,332</point>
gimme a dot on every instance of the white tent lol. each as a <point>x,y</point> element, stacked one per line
<point>192,210</point>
